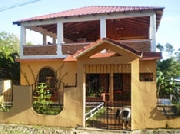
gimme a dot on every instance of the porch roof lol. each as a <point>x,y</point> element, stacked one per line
<point>97,43</point>
<point>141,55</point>
<point>145,56</point>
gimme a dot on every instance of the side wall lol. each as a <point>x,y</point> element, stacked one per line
<point>71,115</point>
<point>144,111</point>
<point>23,113</point>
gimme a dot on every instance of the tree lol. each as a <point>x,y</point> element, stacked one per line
<point>9,50</point>
<point>8,42</point>
<point>169,49</point>
<point>160,47</point>
<point>169,67</point>
<point>177,54</point>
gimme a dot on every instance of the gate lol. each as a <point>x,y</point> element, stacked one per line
<point>107,115</point>
<point>108,108</point>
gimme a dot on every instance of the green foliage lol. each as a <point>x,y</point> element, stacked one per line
<point>160,47</point>
<point>91,92</point>
<point>9,50</point>
<point>8,42</point>
<point>98,114</point>
<point>5,109</point>
<point>42,101</point>
<point>168,48</point>
<point>29,43</point>
<point>169,67</point>
<point>165,84</point>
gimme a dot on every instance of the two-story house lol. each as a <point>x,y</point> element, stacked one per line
<point>97,54</point>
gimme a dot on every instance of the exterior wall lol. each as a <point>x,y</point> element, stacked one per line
<point>69,67</point>
<point>148,66</point>
<point>143,96</point>
<point>143,105</point>
<point>72,110</point>
<point>22,111</point>
<point>145,114</point>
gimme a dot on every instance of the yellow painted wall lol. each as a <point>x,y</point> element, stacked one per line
<point>69,67</point>
<point>145,113</point>
<point>72,110</point>
<point>143,95</point>
<point>23,113</point>
<point>148,66</point>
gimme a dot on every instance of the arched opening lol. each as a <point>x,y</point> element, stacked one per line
<point>47,75</point>
<point>47,98</point>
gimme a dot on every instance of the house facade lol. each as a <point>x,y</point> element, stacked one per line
<point>104,55</point>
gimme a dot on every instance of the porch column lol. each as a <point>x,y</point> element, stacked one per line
<point>102,28</point>
<point>152,32</point>
<point>81,91</point>
<point>134,91</point>
<point>84,96</point>
<point>44,39</point>
<point>22,39</point>
<point>59,38</point>
<point>111,91</point>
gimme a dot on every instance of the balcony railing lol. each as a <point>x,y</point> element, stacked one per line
<point>67,49</point>
<point>39,49</point>
<point>71,48</point>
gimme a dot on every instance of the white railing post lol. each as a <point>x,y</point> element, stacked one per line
<point>59,38</point>
<point>102,28</point>
<point>22,40</point>
<point>152,32</point>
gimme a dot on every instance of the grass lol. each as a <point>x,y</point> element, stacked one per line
<point>98,114</point>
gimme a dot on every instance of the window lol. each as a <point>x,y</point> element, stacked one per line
<point>47,75</point>
<point>146,77</point>
<point>96,83</point>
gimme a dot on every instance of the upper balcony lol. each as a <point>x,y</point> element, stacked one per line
<point>142,45</point>
<point>72,31</point>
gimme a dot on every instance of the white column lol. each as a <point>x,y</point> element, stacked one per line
<point>44,39</point>
<point>103,28</point>
<point>59,38</point>
<point>152,32</point>
<point>22,40</point>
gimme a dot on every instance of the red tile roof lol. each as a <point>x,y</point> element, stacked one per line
<point>151,56</point>
<point>142,55</point>
<point>91,10</point>
<point>97,55</point>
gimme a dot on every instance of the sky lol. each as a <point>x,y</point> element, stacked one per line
<point>168,32</point>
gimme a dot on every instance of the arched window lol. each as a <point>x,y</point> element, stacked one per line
<point>47,75</point>
<point>47,98</point>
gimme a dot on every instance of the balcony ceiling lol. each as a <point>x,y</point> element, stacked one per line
<point>137,27</point>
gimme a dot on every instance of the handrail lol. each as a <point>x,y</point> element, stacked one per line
<point>95,109</point>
